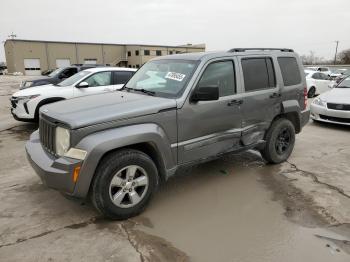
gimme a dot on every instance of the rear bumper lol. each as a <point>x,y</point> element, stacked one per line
<point>56,173</point>
<point>304,117</point>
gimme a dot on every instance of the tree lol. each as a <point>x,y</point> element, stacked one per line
<point>344,57</point>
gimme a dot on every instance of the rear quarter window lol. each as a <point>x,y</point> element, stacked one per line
<point>290,71</point>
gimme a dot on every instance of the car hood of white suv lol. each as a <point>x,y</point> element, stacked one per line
<point>337,95</point>
<point>35,90</point>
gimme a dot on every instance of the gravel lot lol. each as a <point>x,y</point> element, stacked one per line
<point>236,208</point>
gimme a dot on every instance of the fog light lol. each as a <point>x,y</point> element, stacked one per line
<point>76,174</point>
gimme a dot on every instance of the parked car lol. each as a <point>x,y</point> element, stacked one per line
<point>317,83</point>
<point>55,77</point>
<point>3,70</point>
<point>324,70</point>
<point>117,147</point>
<point>334,105</point>
<point>47,72</point>
<point>339,72</point>
<point>26,103</point>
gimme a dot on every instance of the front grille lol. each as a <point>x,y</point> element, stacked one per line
<point>342,107</point>
<point>47,132</point>
<point>335,119</point>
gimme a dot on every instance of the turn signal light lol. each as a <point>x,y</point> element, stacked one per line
<point>76,174</point>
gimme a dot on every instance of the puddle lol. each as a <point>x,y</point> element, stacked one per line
<point>216,216</point>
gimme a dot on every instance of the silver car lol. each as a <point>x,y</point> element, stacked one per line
<point>334,105</point>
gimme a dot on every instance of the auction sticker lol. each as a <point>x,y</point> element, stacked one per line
<point>175,76</point>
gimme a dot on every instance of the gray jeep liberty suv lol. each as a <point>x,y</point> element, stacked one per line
<point>175,111</point>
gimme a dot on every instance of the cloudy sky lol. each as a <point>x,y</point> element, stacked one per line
<point>221,24</point>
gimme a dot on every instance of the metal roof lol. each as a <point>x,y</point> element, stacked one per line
<point>94,43</point>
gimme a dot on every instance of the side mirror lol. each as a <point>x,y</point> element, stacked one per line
<point>208,93</point>
<point>83,85</point>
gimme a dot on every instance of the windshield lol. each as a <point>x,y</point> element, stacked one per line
<point>55,72</point>
<point>345,83</point>
<point>74,78</point>
<point>166,78</point>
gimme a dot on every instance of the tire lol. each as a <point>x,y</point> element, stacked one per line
<point>280,140</point>
<point>311,93</point>
<point>111,182</point>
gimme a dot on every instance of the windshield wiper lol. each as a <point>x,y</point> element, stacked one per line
<point>148,92</point>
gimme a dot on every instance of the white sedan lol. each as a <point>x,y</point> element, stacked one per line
<point>317,83</point>
<point>26,103</point>
<point>334,105</point>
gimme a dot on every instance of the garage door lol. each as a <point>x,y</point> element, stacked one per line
<point>32,67</point>
<point>62,63</point>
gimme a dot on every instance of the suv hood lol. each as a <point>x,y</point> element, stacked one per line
<point>35,90</point>
<point>95,109</point>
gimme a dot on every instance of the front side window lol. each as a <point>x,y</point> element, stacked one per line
<point>290,70</point>
<point>344,84</point>
<point>165,77</point>
<point>99,79</point>
<point>121,77</point>
<point>316,76</point>
<point>220,74</point>
<point>258,73</point>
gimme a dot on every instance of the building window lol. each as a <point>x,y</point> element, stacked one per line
<point>178,52</point>
<point>129,53</point>
<point>158,52</point>
<point>146,52</point>
<point>137,66</point>
<point>137,52</point>
<point>130,66</point>
<point>170,52</point>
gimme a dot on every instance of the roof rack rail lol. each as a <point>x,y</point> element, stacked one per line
<point>262,49</point>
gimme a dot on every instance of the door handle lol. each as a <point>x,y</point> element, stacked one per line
<point>235,102</point>
<point>275,95</point>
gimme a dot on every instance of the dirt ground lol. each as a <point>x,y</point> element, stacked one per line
<point>236,208</point>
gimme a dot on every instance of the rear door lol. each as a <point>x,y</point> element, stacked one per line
<point>261,98</point>
<point>120,78</point>
<point>208,128</point>
<point>99,82</point>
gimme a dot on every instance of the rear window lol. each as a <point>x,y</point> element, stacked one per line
<point>258,73</point>
<point>290,71</point>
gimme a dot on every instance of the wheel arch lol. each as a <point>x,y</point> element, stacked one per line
<point>45,102</point>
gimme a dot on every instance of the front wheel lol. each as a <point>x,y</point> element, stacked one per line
<point>280,140</point>
<point>124,184</point>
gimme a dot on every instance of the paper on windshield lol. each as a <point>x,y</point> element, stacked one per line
<point>175,76</point>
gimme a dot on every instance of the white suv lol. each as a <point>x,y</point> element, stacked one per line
<point>26,103</point>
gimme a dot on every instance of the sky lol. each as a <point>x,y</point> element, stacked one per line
<point>303,25</point>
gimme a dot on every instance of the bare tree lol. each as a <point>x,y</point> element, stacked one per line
<point>344,57</point>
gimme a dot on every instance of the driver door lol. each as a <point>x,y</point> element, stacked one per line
<point>99,82</point>
<point>209,128</point>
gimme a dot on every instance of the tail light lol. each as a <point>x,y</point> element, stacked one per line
<point>305,97</point>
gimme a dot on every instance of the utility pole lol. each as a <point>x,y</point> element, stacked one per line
<point>336,51</point>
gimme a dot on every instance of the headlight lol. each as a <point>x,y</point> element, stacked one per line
<point>26,98</point>
<point>318,101</point>
<point>62,140</point>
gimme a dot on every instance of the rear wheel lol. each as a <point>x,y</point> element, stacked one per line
<point>312,92</point>
<point>124,183</point>
<point>280,140</point>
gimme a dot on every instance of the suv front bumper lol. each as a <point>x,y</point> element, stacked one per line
<point>56,173</point>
